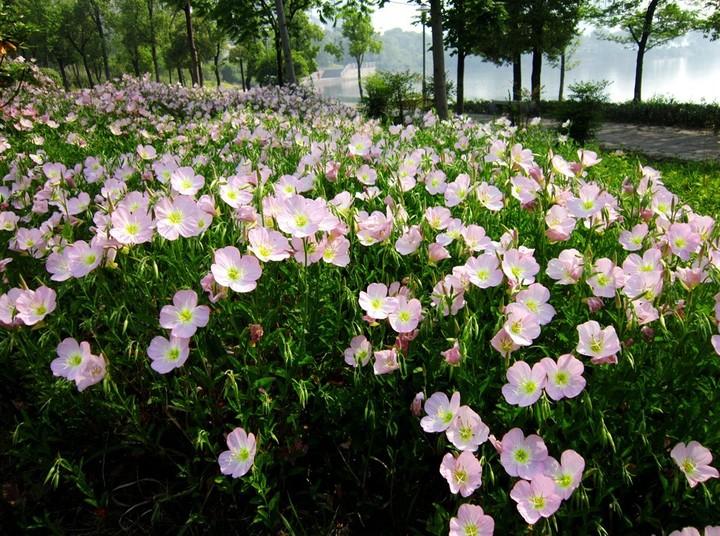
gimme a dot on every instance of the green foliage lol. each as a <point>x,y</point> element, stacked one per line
<point>390,96</point>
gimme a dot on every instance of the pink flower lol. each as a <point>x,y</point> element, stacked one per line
<point>177,217</point>
<point>268,245</point>
<point>146,152</point>
<point>406,315</point>
<point>567,474</point>
<point>83,258</point>
<point>605,278</point>
<point>8,309</point>
<point>524,189</point>
<point>452,355</point>
<point>503,343</point>
<point>484,270</point>
<point>440,412</point>
<point>632,240</point>
<point>567,268</point>
<point>167,355</point>
<point>467,431</point>
<point>435,182</point>
<point>131,227</point>
<point>71,356</point>
<point>687,531</point>
<point>715,340</point>
<point>560,224</point>
<point>359,145</point>
<point>564,377</point>
<point>366,175</point>
<point>600,344</point>
<point>463,473</point>
<point>437,252</point>
<point>184,181</point>
<point>91,372</point>
<point>438,217</point>
<point>385,362</point>
<point>359,352</point>
<point>448,296</point>
<point>457,191</point>
<point>185,315</point>
<point>489,196</point>
<point>525,385</point>
<point>523,456</point>
<point>587,203</point>
<point>300,217</point>
<point>336,251</point>
<point>694,461</point>
<point>373,228</point>
<point>236,192</point>
<point>376,303</point>
<point>683,240</point>
<point>519,267</point>
<point>536,499</point>
<point>522,326</point>
<point>34,305</point>
<point>239,272</point>
<point>239,459</point>
<point>409,242</point>
<point>535,299</point>
<point>471,521</point>
<point>475,238</point>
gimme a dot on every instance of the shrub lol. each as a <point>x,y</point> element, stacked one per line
<point>390,96</point>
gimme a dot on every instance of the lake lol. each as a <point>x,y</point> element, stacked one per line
<point>688,71</point>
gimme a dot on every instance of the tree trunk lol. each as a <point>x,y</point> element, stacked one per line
<point>87,71</point>
<point>358,60</point>
<point>194,62</point>
<point>76,72</point>
<point>285,39</point>
<point>642,47</point>
<point>278,59</point>
<point>135,60</point>
<point>438,51</point>
<point>562,76</point>
<point>517,77</point>
<point>63,74</point>
<point>101,33</point>
<point>181,79</point>
<point>153,41</point>
<point>170,74</point>
<point>637,92</point>
<point>460,102</point>
<point>535,76</point>
<point>217,64</point>
<point>201,74</point>
<point>242,75</point>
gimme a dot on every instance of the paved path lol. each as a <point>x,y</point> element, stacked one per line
<point>663,142</point>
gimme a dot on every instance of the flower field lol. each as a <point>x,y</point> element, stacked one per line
<point>261,313</point>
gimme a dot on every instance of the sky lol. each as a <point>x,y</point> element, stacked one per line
<point>396,14</point>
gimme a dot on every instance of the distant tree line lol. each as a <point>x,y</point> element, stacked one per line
<point>275,41</point>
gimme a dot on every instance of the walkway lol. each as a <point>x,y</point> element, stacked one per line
<point>661,142</point>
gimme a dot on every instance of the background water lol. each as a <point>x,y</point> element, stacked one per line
<point>688,71</point>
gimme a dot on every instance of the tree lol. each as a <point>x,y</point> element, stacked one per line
<point>357,28</point>
<point>645,25</point>
<point>97,16</point>
<point>438,54</point>
<point>467,23</point>
<point>552,25</point>
<point>564,62</point>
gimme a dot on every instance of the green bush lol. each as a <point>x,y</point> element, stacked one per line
<point>390,96</point>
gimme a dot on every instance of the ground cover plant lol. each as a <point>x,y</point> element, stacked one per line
<point>260,313</point>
